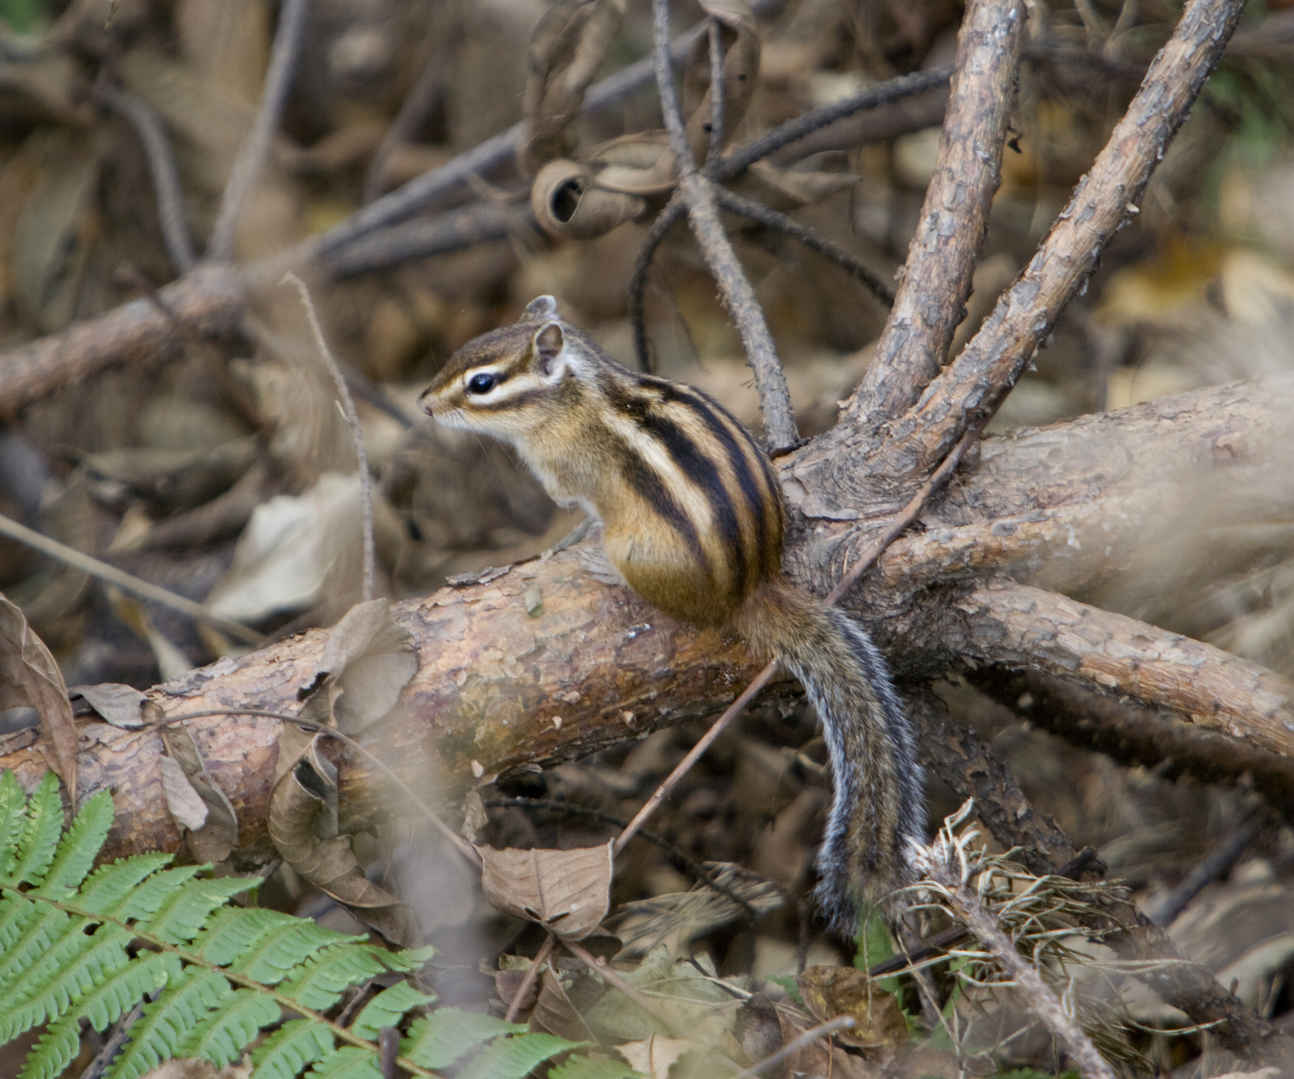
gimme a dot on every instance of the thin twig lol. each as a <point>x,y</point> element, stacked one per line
<point>737,162</point>
<point>127,582</point>
<point>715,146</point>
<point>822,1030</point>
<point>417,103</point>
<point>665,220</point>
<point>773,219</point>
<point>426,190</point>
<point>1167,907</point>
<point>608,974</point>
<point>161,165</point>
<point>255,148</point>
<point>532,973</point>
<point>356,434</point>
<point>905,517</point>
<point>738,296</point>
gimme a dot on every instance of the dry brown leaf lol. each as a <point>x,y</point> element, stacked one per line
<point>655,1055</point>
<point>566,49</point>
<point>568,202</point>
<point>195,800</point>
<point>829,992</point>
<point>286,556</point>
<point>118,704</point>
<point>30,677</point>
<point>568,892</point>
<point>556,1013</point>
<point>369,658</point>
<point>303,828</point>
<point>740,44</point>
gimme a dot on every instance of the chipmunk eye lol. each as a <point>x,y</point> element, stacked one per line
<point>482,382</point>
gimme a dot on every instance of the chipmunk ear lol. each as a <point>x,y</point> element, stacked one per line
<point>551,351</point>
<point>541,307</point>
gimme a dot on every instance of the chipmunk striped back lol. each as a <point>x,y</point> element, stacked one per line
<point>692,518</point>
<point>684,494</point>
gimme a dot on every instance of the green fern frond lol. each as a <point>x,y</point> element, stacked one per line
<point>159,947</point>
<point>449,1034</point>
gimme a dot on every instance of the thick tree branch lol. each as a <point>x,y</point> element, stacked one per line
<point>936,278</point>
<point>1023,627</point>
<point>210,300</point>
<point>975,384</point>
<point>498,689</point>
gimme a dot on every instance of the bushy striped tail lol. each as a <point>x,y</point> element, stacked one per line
<point>879,803</point>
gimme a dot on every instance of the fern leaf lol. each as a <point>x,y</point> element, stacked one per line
<point>346,1063</point>
<point>108,888</point>
<point>585,1067</point>
<point>182,913</point>
<point>281,952</point>
<point>448,1034</point>
<point>38,833</point>
<point>223,1036</point>
<point>64,974</point>
<point>386,1009</point>
<point>107,1003</point>
<point>74,856</point>
<point>231,932</point>
<point>144,900</point>
<point>164,1022</point>
<point>13,809</point>
<point>29,934</point>
<point>321,982</point>
<point>290,1048</point>
<point>514,1057</point>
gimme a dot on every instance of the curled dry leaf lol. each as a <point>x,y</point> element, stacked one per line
<point>568,892</point>
<point>29,677</point>
<point>566,49</point>
<point>568,202</point>
<point>739,40</point>
<point>303,829</point>
<point>624,179</point>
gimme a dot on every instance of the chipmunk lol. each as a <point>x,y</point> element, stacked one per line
<point>692,519</point>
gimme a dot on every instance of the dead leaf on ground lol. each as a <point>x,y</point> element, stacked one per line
<point>117,703</point>
<point>303,826</point>
<point>678,918</point>
<point>829,992</point>
<point>30,677</point>
<point>568,892</point>
<point>288,552</point>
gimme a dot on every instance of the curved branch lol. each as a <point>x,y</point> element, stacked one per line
<point>209,300</point>
<point>252,153</point>
<point>974,385</point>
<point>936,279</point>
<point>1025,627</point>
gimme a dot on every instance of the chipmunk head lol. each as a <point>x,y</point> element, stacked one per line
<point>507,382</point>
